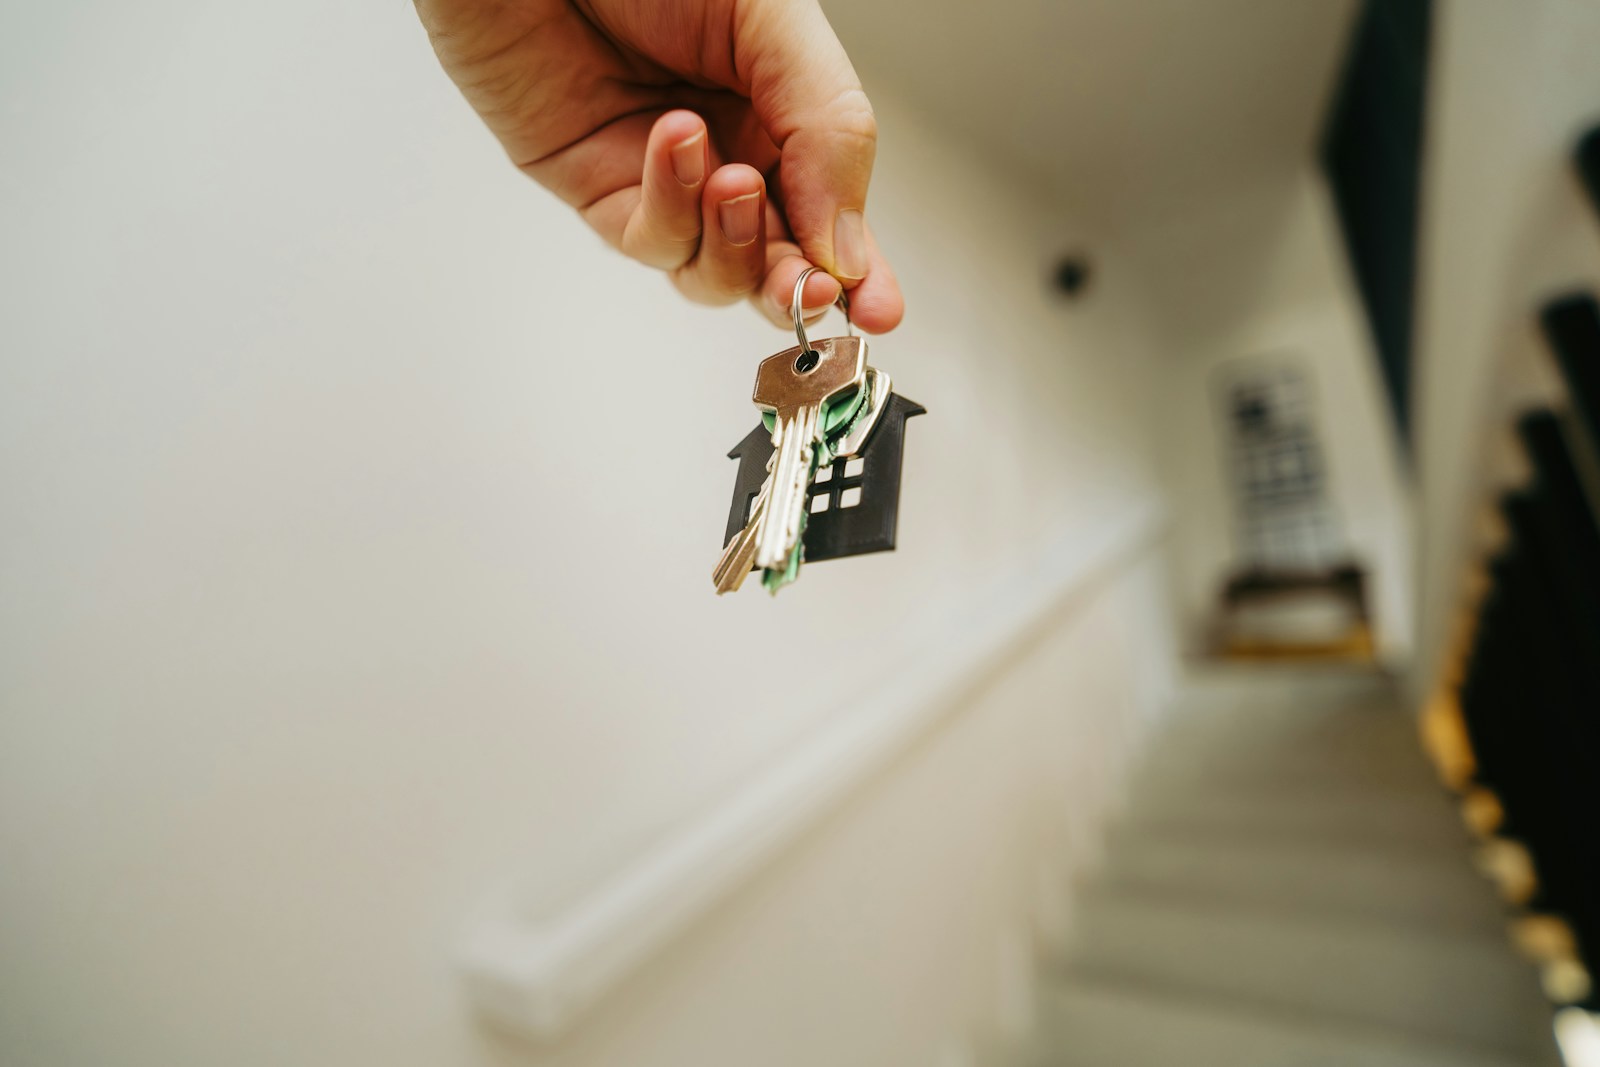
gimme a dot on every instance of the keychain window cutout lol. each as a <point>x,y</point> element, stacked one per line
<point>866,523</point>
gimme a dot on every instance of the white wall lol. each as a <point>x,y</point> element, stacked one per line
<point>901,932</point>
<point>1263,275</point>
<point>1505,226</point>
<point>329,595</point>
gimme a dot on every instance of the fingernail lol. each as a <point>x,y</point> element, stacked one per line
<point>850,245</point>
<point>740,218</point>
<point>689,160</point>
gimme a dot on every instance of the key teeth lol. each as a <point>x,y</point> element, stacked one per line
<point>779,528</point>
<point>732,569</point>
<point>879,386</point>
<point>733,566</point>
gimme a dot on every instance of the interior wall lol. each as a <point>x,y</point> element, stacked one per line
<point>1262,276</point>
<point>1505,226</point>
<point>904,930</point>
<point>345,576</point>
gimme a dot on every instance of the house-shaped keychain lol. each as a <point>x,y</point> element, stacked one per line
<point>854,503</point>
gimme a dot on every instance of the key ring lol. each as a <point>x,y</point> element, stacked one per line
<point>799,322</point>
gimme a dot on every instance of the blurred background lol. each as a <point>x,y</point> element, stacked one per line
<point>1231,696</point>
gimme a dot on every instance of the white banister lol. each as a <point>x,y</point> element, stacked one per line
<point>535,978</point>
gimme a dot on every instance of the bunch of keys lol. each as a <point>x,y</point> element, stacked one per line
<point>820,478</point>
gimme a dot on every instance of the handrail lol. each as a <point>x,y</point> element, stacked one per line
<point>536,977</point>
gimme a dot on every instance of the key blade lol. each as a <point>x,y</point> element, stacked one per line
<point>736,560</point>
<point>791,476</point>
<point>878,387</point>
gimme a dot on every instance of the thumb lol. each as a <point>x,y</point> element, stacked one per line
<point>808,98</point>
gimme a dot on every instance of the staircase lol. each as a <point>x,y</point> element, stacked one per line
<point>1290,887</point>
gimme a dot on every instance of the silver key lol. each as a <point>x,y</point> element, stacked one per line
<point>878,386</point>
<point>734,566</point>
<point>794,385</point>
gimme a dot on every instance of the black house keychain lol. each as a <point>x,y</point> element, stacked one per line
<point>850,503</point>
<point>860,494</point>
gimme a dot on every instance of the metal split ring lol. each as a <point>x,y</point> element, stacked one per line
<point>799,322</point>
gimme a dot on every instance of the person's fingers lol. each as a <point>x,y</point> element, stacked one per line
<point>784,264</point>
<point>663,230</point>
<point>876,305</point>
<point>602,175</point>
<point>732,252</point>
<point>812,105</point>
<point>570,113</point>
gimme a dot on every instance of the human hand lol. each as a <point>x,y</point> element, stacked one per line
<point>727,142</point>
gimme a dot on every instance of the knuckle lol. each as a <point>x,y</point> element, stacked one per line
<point>853,117</point>
<point>665,253</point>
<point>694,285</point>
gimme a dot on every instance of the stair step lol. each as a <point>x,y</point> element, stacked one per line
<point>1196,768</point>
<point>1371,741</point>
<point>1269,689</point>
<point>1359,729</point>
<point>1325,812</point>
<point>1098,1024</point>
<point>1317,733</point>
<point>1469,990</point>
<point>1204,676</point>
<point>1429,890</point>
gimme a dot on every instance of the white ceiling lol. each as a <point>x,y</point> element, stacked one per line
<point>1120,107</point>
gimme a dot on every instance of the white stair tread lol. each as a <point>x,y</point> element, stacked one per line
<point>1472,990</point>
<point>1290,886</point>
<point>1271,691</point>
<point>1321,772</point>
<point>1386,758</point>
<point>1356,815</point>
<point>1089,1024</point>
<point>1374,741</point>
<point>1430,890</point>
